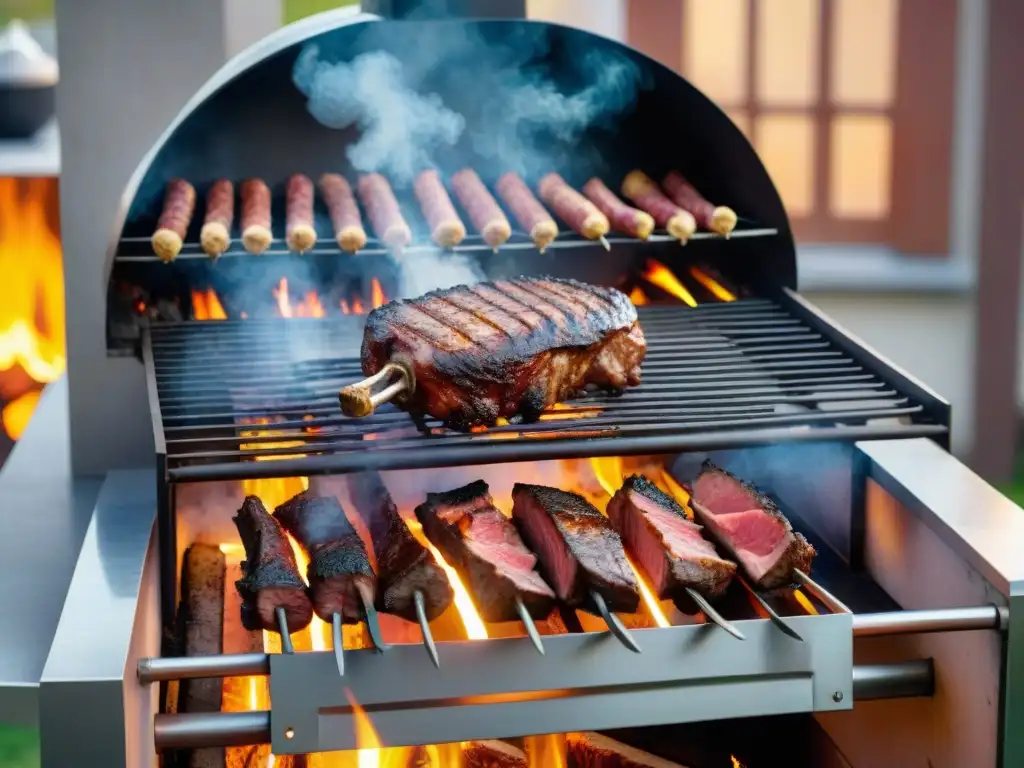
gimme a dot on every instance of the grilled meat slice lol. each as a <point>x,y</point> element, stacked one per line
<point>506,349</point>
<point>579,550</point>
<point>669,547</point>
<point>404,566</point>
<point>594,750</point>
<point>270,576</point>
<point>339,572</point>
<point>492,754</point>
<point>750,527</point>
<point>483,546</point>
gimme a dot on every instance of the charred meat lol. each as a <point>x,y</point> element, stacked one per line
<point>667,545</point>
<point>506,349</point>
<point>750,527</point>
<point>482,545</point>
<point>339,573</point>
<point>270,575</point>
<point>579,550</point>
<point>404,566</point>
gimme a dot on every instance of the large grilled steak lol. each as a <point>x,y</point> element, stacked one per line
<point>270,575</point>
<point>483,546</point>
<point>669,547</point>
<point>506,349</point>
<point>577,546</point>
<point>404,566</point>
<point>750,527</point>
<point>339,572</point>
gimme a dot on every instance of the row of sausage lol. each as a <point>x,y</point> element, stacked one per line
<point>674,205</point>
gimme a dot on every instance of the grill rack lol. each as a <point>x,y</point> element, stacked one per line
<point>750,372</point>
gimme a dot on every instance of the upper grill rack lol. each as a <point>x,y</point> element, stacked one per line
<point>753,372</point>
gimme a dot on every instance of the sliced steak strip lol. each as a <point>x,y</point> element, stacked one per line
<point>750,527</point>
<point>339,573</point>
<point>270,576</point>
<point>483,546</point>
<point>578,549</point>
<point>404,566</point>
<point>669,547</point>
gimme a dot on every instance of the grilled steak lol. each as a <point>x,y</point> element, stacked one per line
<point>750,527</point>
<point>507,349</point>
<point>593,750</point>
<point>667,545</point>
<point>339,571</point>
<point>270,576</point>
<point>492,754</point>
<point>577,546</point>
<point>483,546</point>
<point>404,566</point>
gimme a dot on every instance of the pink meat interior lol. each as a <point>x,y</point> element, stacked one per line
<point>722,495</point>
<point>492,537</point>
<point>551,548</point>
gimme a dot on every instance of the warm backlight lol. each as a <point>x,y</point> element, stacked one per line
<point>717,290</point>
<point>658,274</point>
<point>546,751</point>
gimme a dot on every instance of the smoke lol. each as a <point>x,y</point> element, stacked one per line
<point>423,271</point>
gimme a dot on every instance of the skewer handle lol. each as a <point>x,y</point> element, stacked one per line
<point>358,400</point>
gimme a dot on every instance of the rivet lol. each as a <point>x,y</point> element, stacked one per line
<point>289,733</point>
<point>837,696</point>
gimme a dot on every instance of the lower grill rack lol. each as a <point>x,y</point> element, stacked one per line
<point>502,688</point>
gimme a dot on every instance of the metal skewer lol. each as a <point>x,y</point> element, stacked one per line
<point>772,615</point>
<point>282,629</point>
<point>358,401</point>
<point>428,638</point>
<point>714,615</point>
<point>604,242</point>
<point>615,625</point>
<point>531,628</point>
<point>830,601</point>
<point>373,623</point>
<point>339,643</point>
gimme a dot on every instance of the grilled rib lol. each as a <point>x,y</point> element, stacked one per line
<point>507,349</point>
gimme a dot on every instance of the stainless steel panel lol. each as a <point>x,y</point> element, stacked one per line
<point>504,688</point>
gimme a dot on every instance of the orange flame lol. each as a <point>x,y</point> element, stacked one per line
<point>660,275</point>
<point>206,306</point>
<point>638,297</point>
<point>805,602</point>
<point>284,303</point>
<point>547,751</point>
<point>376,294</point>
<point>717,290</point>
<point>344,307</point>
<point>17,413</point>
<point>357,306</point>
<point>735,763</point>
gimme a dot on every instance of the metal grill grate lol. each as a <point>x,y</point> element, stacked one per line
<point>751,372</point>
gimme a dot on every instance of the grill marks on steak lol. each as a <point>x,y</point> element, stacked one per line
<point>270,575</point>
<point>404,566</point>
<point>667,545</point>
<point>579,550</point>
<point>339,572</point>
<point>482,545</point>
<point>506,349</point>
<point>750,526</point>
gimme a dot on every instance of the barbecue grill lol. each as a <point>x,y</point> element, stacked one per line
<point>909,603</point>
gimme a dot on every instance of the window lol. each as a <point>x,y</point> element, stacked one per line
<point>848,102</point>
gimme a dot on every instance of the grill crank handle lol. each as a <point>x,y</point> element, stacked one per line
<point>358,400</point>
<point>428,637</point>
<point>615,625</point>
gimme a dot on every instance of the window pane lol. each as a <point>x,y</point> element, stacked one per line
<point>787,52</point>
<point>715,48</point>
<point>860,167</point>
<point>786,145</point>
<point>864,52</point>
<point>741,119</point>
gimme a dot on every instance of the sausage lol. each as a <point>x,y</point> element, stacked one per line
<point>344,212</point>
<point>299,232</point>
<point>625,219</point>
<point>383,210</point>
<point>215,237</point>
<point>572,207</point>
<point>718,219</point>
<point>179,203</point>
<point>484,212</point>
<point>446,229</point>
<point>531,215</point>
<point>256,236</point>
<point>641,189</point>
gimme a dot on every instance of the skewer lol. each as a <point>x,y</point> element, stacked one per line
<point>282,628</point>
<point>356,399</point>
<point>772,615</point>
<point>373,623</point>
<point>428,637</point>
<point>615,625</point>
<point>339,644</point>
<point>531,628</point>
<point>604,241</point>
<point>830,601</point>
<point>714,615</point>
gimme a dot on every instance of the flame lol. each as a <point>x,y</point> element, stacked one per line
<point>284,304</point>
<point>805,602</point>
<point>310,306</point>
<point>206,306</point>
<point>547,751</point>
<point>475,628</point>
<point>735,763</point>
<point>17,413</point>
<point>344,307</point>
<point>660,275</point>
<point>638,297</point>
<point>376,294</point>
<point>369,751</point>
<point>357,306</point>
<point>269,445</point>
<point>718,290</point>
<point>668,484</point>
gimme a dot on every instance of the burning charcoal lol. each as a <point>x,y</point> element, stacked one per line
<point>592,750</point>
<point>577,546</point>
<point>750,527</point>
<point>483,546</point>
<point>669,547</point>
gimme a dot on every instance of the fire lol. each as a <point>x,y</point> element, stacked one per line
<point>18,412</point>
<point>718,290</point>
<point>805,602</point>
<point>376,294</point>
<point>660,275</point>
<point>206,306</point>
<point>638,297</point>
<point>735,763</point>
<point>370,753</point>
<point>32,307</point>
<point>546,751</point>
<point>357,306</point>
<point>675,490</point>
